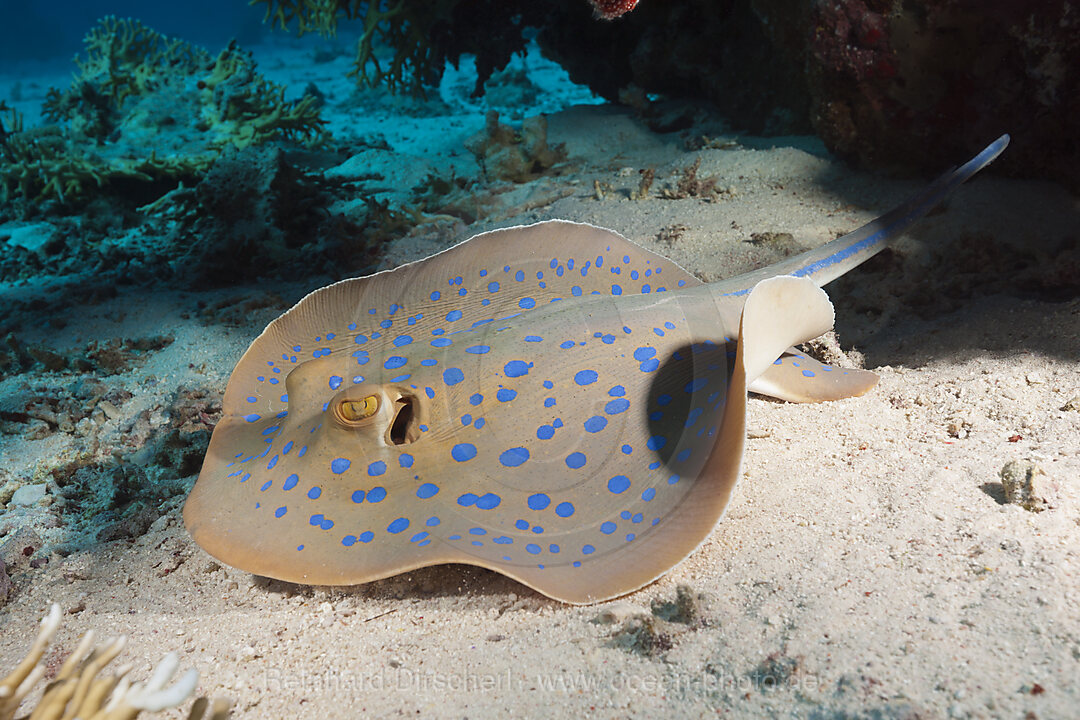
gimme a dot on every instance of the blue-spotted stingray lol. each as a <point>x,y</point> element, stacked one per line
<point>552,402</point>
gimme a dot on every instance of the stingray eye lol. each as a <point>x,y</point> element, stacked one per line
<point>353,411</point>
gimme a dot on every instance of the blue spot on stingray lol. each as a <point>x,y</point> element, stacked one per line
<point>575,460</point>
<point>575,291</point>
<point>436,295</point>
<point>696,384</point>
<point>429,392</point>
<point>477,531</point>
<point>502,540</point>
<point>394,362</point>
<point>266,485</point>
<point>476,399</point>
<point>545,432</point>
<point>644,353</point>
<point>453,316</point>
<point>567,344</point>
<point>479,423</point>
<point>526,303</point>
<point>519,275</point>
<point>516,368</point>
<point>663,400</point>
<point>463,452</point>
<point>533,338</point>
<point>488,501</point>
<point>521,525</point>
<point>549,402</point>
<point>402,340</point>
<point>656,442</point>
<point>607,527</point>
<point>320,522</point>
<point>649,494</point>
<point>376,494</point>
<point>252,418</point>
<point>539,501</point>
<point>514,457</point>
<point>532,549</point>
<point>585,377</point>
<point>618,484</point>
<point>252,399</point>
<point>452,376</point>
<point>366,536</point>
<point>506,394</point>
<point>398,525</point>
<point>673,479</point>
<point>587,549</point>
<point>442,342</point>
<point>280,512</point>
<point>658,331</point>
<point>419,536</point>
<point>649,365</point>
<point>314,492</point>
<point>466,419</point>
<point>564,509</point>
<point>493,287</point>
<point>617,406</point>
<point>478,349</point>
<point>358,496</point>
<point>683,454</point>
<point>290,482</point>
<point>595,424</point>
<point>432,521</point>
<point>339,465</point>
<point>376,468</point>
<point>348,540</point>
<point>808,373</point>
<point>467,499</point>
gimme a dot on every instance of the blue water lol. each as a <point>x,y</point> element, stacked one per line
<point>39,30</point>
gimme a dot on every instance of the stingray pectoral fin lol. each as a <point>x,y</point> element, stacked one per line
<point>796,377</point>
<point>780,312</point>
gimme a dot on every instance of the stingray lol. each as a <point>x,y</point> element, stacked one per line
<point>552,402</point>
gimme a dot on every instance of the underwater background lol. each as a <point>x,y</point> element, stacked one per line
<point>174,177</point>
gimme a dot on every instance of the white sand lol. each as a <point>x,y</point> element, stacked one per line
<point>866,566</point>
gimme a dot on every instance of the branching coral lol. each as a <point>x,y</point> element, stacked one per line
<point>78,690</point>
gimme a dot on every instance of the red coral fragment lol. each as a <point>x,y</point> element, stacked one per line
<point>611,9</point>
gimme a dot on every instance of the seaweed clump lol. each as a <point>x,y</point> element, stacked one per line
<point>136,88</point>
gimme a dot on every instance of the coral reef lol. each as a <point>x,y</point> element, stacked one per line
<point>80,690</point>
<point>136,88</point>
<point>944,76</point>
<point>423,36</point>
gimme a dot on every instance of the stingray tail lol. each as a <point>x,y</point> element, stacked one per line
<point>833,259</point>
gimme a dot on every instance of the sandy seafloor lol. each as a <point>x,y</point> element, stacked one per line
<point>867,565</point>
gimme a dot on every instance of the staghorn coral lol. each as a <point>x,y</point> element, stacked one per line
<point>78,690</point>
